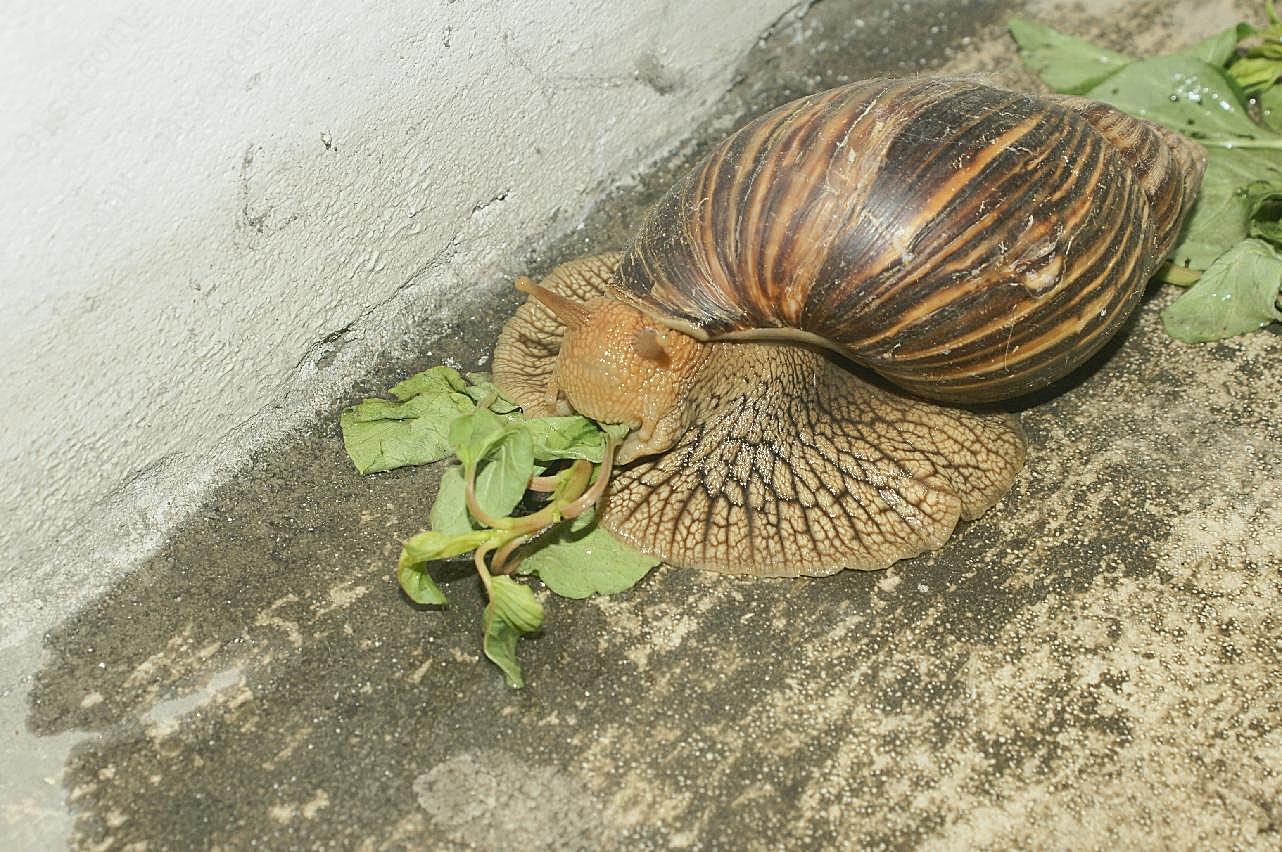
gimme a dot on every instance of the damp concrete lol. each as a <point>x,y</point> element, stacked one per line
<point>1097,662</point>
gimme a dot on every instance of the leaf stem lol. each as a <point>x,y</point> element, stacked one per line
<point>499,564</point>
<point>544,484</point>
<point>478,558</point>
<point>593,495</point>
<point>1229,145</point>
<point>474,505</point>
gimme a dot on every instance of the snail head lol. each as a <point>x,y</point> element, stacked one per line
<point>748,457</point>
<point>617,365</point>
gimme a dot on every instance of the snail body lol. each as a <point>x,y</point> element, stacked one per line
<point>966,243</point>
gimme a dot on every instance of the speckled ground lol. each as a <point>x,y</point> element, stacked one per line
<point>1095,663</point>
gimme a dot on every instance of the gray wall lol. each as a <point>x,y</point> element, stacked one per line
<point>215,215</point>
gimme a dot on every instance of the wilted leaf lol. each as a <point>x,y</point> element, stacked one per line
<point>418,584</point>
<point>566,438</point>
<point>380,434</point>
<point>516,603</point>
<point>481,388</point>
<point>433,381</point>
<point>430,545</point>
<point>500,646</point>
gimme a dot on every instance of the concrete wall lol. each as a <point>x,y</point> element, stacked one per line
<point>214,215</point>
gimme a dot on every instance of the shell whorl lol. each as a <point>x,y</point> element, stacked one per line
<point>965,242</point>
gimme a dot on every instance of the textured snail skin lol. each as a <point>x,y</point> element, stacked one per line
<point>774,461</point>
<point>966,243</point>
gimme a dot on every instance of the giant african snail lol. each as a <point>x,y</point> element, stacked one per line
<point>967,244</point>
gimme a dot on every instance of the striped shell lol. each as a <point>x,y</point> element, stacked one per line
<point>965,242</point>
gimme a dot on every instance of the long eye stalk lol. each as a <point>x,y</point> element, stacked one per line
<point>567,311</point>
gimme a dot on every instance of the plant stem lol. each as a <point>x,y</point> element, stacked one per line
<point>478,558</point>
<point>593,495</point>
<point>544,484</point>
<point>499,565</point>
<point>1229,145</point>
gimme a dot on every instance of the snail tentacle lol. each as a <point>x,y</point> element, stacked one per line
<point>525,355</point>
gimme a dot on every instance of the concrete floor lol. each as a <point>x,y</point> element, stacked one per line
<point>1096,662</point>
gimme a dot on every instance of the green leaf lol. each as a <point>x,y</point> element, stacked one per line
<point>419,550</point>
<point>566,438</point>
<point>500,646</point>
<point>1266,215</point>
<point>513,611</point>
<point>1064,63</point>
<point>1237,294</point>
<point>472,435</point>
<point>515,603</point>
<point>418,584</point>
<point>1185,94</point>
<point>1219,48</point>
<point>503,479</point>
<point>481,387</point>
<point>449,511</point>
<point>586,560</point>
<point>617,431</point>
<point>434,381</point>
<point>1219,219</point>
<point>1198,99</point>
<point>380,434</point>
<point>1256,73</point>
<point>1270,102</point>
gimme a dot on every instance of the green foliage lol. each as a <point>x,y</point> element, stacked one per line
<point>1237,294</point>
<point>1203,92</point>
<point>379,434</point>
<point>501,455</point>
<point>1207,107</point>
<point>1066,64</point>
<point>585,560</point>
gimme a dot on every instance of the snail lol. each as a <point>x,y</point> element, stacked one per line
<point>963,243</point>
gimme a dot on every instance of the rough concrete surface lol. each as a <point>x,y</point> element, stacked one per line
<point>1096,663</point>
<point>215,218</point>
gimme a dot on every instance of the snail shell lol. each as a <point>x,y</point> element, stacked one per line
<point>965,242</point>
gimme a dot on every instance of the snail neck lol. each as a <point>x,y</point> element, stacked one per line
<point>616,365</point>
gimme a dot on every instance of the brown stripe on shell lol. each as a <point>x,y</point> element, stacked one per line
<point>1169,165</point>
<point>966,242</point>
<point>1051,327</point>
